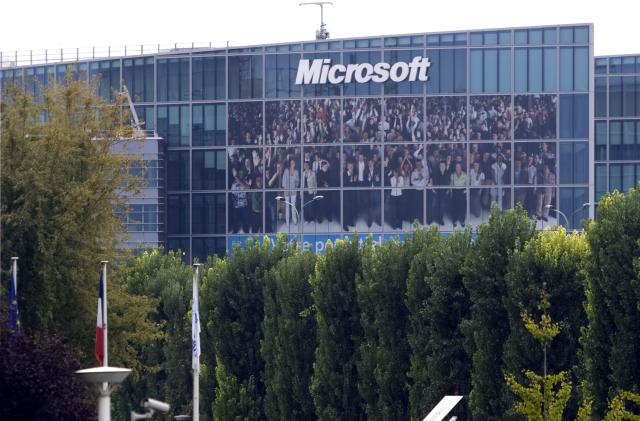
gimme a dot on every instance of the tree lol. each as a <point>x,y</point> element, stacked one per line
<point>546,396</point>
<point>611,340</point>
<point>552,262</point>
<point>487,328</point>
<point>232,311</point>
<point>289,339</point>
<point>59,192</point>
<point>37,380</point>
<point>334,384</point>
<point>384,351</point>
<point>163,362</point>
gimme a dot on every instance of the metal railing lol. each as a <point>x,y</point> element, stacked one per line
<point>62,55</point>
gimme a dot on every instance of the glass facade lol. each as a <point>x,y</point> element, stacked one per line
<point>617,123</point>
<point>505,117</point>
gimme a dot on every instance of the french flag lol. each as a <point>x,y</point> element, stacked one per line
<point>101,323</point>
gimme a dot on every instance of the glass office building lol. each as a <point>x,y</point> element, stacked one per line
<point>617,123</point>
<point>253,145</point>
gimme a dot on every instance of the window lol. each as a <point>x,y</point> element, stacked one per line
<point>448,71</point>
<point>326,89</point>
<point>624,138</point>
<point>574,163</point>
<point>601,180</point>
<point>357,57</point>
<point>208,78</point>
<point>622,177</point>
<point>490,70</point>
<point>535,69</point>
<point>173,79</point>
<point>108,74</point>
<point>245,77</point>
<point>173,124</point>
<point>601,140</point>
<point>209,169</point>
<point>571,204</point>
<point>146,117</point>
<point>601,97</point>
<point>574,69</point>
<point>141,218</point>
<point>209,125</point>
<point>281,70</point>
<point>205,247</point>
<point>178,214</point>
<point>180,244</point>
<point>601,66</point>
<point>391,87</point>
<point>208,212</point>
<point>574,116</point>
<point>178,170</point>
<point>138,78</point>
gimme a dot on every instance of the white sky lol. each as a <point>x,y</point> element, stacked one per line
<point>39,24</point>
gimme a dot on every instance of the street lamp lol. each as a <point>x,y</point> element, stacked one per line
<point>293,206</point>
<point>103,376</point>
<point>559,212</point>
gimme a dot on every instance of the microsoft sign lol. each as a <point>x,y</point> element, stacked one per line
<point>321,71</point>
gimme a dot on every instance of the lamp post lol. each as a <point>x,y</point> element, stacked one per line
<point>559,212</point>
<point>104,376</point>
<point>293,206</point>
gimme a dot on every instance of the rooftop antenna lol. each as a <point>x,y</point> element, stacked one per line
<point>321,33</point>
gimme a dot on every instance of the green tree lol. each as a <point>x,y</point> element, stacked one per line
<point>554,262</point>
<point>232,312</point>
<point>611,340</point>
<point>334,384</point>
<point>418,292</point>
<point>59,191</point>
<point>384,351</point>
<point>164,363</point>
<point>487,328</point>
<point>546,396</point>
<point>289,339</point>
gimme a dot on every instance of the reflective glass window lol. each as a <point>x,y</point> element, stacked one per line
<point>448,71</point>
<point>326,89</point>
<point>245,77</point>
<point>550,36</point>
<point>208,78</point>
<point>209,125</point>
<point>406,87</point>
<point>601,66</point>
<point>601,140</point>
<point>601,97</point>
<point>146,117</point>
<point>209,169</point>
<point>173,79</point>
<point>138,76</point>
<point>601,180</point>
<point>174,124</point>
<point>178,170</point>
<point>357,57</point>
<point>571,205</point>
<point>535,69</point>
<point>574,69</point>
<point>178,214</point>
<point>280,75</point>
<point>108,74</point>
<point>182,245</point>
<point>574,116</point>
<point>208,212</point>
<point>574,162</point>
<point>203,247</point>
<point>615,96</point>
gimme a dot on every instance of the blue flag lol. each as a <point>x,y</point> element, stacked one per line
<point>14,316</point>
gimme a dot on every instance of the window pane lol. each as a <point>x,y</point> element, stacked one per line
<point>208,213</point>
<point>281,70</point>
<point>581,69</point>
<point>178,170</point>
<point>178,214</point>
<point>574,163</point>
<point>209,170</point>
<point>601,97</point>
<point>209,125</point>
<point>490,70</point>
<point>615,96</point>
<point>174,124</point>
<point>173,79</point>
<point>535,67</point>
<point>476,70</point>
<point>566,69</point>
<point>601,140</point>
<point>504,70</point>
<point>550,69</point>
<point>245,77</point>
<point>521,68</point>
<point>208,78</point>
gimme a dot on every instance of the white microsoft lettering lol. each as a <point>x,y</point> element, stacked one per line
<point>320,71</point>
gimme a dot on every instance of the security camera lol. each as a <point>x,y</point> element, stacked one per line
<point>156,405</point>
<point>150,406</point>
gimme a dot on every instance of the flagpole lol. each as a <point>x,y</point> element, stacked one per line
<point>195,334</point>
<point>105,361</point>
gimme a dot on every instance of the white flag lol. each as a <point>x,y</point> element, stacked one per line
<point>195,323</point>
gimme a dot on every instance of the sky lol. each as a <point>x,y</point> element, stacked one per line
<point>39,24</point>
